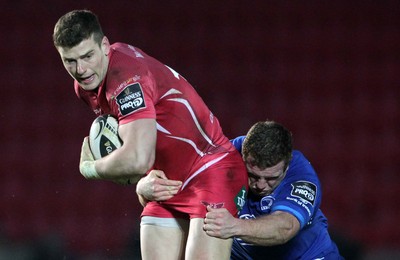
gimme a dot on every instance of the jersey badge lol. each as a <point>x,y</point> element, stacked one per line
<point>217,205</point>
<point>304,190</point>
<point>266,203</point>
<point>130,99</point>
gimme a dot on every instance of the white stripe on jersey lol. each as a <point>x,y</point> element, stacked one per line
<point>186,103</point>
<point>202,168</point>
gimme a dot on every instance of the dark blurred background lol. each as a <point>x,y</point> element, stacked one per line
<point>328,70</point>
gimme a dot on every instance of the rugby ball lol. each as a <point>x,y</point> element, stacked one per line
<point>103,136</point>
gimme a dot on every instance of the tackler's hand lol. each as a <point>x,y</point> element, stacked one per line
<point>219,223</point>
<point>157,187</point>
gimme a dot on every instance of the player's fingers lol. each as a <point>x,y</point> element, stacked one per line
<point>167,191</point>
<point>163,196</point>
<point>209,218</point>
<point>173,187</point>
<point>209,230</point>
<point>210,208</point>
<point>174,183</point>
<point>168,183</point>
<point>86,154</point>
<point>159,174</point>
<point>173,191</point>
<point>159,188</point>
<point>166,197</point>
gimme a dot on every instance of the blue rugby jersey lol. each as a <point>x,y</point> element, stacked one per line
<point>299,194</point>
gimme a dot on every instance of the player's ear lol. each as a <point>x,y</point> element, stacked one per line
<point>105,45</point>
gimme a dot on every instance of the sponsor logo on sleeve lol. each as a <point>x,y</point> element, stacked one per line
<point>130,99</point>
<point>305,191</point>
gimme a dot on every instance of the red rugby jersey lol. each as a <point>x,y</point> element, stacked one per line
<point>138,86</point>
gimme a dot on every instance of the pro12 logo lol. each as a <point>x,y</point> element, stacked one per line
<point>130,99</point>
<point>304,190</point>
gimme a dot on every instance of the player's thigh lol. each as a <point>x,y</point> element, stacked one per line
<point>163,241</point>
<point>201,246</point>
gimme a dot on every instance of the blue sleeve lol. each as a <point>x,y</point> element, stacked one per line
<point>300,192</point>
<point>237,142</point>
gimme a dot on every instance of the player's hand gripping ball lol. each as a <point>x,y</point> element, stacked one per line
<point>104,139</point>
<point>103,136</point>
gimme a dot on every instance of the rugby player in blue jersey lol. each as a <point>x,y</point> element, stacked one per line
<point>281,217</point>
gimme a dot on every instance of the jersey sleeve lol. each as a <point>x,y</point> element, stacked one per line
<point>135,101</point>
<point>300,194</point>
<point>131,86</point>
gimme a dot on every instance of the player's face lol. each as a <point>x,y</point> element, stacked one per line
<point>87,62</point>
<point>262,182</point>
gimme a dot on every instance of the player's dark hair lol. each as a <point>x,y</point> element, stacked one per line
<point>268,143</point>
<point>75,27</point>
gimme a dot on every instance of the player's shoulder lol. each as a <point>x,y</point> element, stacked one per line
<point>121,46</point>
<point>299,160</point>
<point>124,49</point>
<point>298,155</point>
<point>237,142</point>
<point>118,45</point>
<point>300,168</point>
<point>127,66</point>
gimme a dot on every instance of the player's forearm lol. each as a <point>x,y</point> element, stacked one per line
<point>121,164</point>
<point>269,230</point>
<point>136,155</point>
